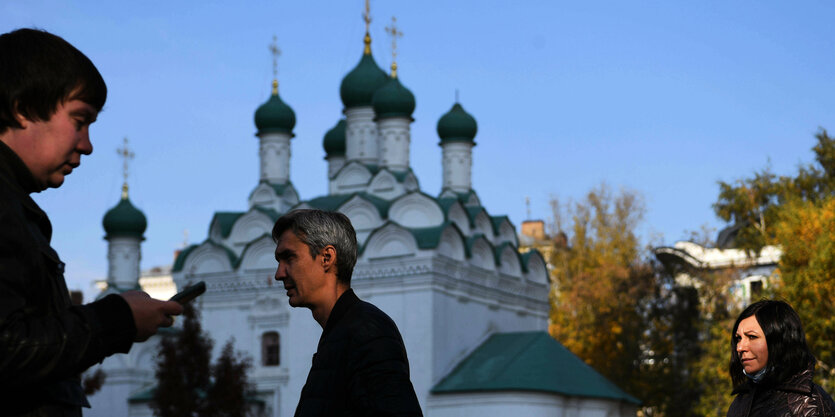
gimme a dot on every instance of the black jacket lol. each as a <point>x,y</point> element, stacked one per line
<point>45,342</point>
<point>796,397</point>
<point>360,367</point>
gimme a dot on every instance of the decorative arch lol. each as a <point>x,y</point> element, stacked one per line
<point>537,269</point>
<point>506,232</point>
<point>259,254</point>
<point>458,215</point>
<point>509,262</point>
<point>452,243</point>
<point>249,227</point>
<point>410,183</point>
<point>416,210</point>
<point>262,195</point>
<point>385,185</point>
<point>483,224</point>
<point>209,258</point>
<point>390,241</point>
<point>352,176</point>
<point>481,253</point>
<point>364,214</point>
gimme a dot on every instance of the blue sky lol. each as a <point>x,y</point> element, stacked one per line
<point>664,98</point>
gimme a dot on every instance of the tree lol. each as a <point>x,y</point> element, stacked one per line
<point>795,213</point>
<point>754,203</point>
<point>604,292</point>
<point>183,372</point>
<point>806,234</point>
<point>187,384</point>
<point>228,395</point>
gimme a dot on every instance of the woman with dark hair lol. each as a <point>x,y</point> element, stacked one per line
<point>771,365</point>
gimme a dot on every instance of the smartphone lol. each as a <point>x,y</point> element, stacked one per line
<point>189,293</point>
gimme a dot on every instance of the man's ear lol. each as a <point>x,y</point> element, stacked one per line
<point>329,257</point>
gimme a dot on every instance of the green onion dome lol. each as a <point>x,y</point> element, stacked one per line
<point>457,126</point>
<point>334,142</point>
<point>393,100</point>
<point>359,86</point>
<point>275,116</point>
<point>124,220</point>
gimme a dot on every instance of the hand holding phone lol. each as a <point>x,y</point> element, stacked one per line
<point>189,293</point>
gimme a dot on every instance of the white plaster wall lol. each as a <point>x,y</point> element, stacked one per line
<point>524,404</point>
<point>361,142</point>
<point>335,163</point>
<point>457,166</point>
<point>274,155</point>
<point>123,257</point>
<point>394,143</point>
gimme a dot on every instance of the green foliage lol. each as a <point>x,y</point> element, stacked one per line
<point>604,292</point>
<point>806,233</point>
<point>186,383</point>
<point>796,213</point>
<point>755,203</point>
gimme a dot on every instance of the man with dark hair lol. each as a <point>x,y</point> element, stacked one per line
<point>50,93</point>
<point>360,367</point>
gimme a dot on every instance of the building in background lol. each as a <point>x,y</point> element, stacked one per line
<point>472,308</point>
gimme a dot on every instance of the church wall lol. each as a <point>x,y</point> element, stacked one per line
<point>526,404</point>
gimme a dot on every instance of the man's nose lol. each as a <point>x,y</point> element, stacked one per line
<point>85,147</point>
<point>279,273</point>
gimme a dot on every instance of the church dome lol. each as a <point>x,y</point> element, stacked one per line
<point>457,126</point>
<point>124,220</point>
<point>393,100</point>
<point>275,116</point>
<point>334,142</point>
<point>359,86</point>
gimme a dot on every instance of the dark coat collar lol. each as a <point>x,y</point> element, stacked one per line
<point>347,300</point>
<point>15,172</point>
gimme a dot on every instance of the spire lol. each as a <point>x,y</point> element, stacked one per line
<point>126,155</point>
<point>394,33</point>
<point>275,53</point>
<point>367,18</point>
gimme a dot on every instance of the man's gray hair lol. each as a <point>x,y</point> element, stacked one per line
<point>317,229</point>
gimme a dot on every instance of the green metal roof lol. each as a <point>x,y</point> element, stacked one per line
<point>334,201</point>
<point>147,394</point>
<point>334,142</point>
<point>359,85</point>
<point>124,220</point>
<point>225,219</point>
<point>473,212</point>
<point>275,116</point>
<point>272,214</point>
<point>457,126</point>
<point>528,361</point>
<point>181,258</point>
<point>393,100</point>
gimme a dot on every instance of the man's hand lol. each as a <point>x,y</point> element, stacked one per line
<point>149,314</point>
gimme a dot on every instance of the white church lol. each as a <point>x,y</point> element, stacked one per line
<point>472,309</point>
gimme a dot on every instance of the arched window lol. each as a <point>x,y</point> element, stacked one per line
<point>270,353</point>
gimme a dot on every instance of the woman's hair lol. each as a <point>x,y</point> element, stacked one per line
<point>788,353</point>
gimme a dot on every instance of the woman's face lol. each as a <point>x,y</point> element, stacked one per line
<point>750,345</point>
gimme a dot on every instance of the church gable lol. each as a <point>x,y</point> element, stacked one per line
<point>249,227</point>
<point>509,260</point>
<point>352,177</point>
<point>385,185</point>
<point>505,232</point>
<point>364,215</point>
<point>481,253</point>
<point>208,258</point>
<point>452,244</point>
<point>416,210</point>
<point>390,241</point>
<point>535,268</point>
<point>221,225</point>
<point>481,222</point>
<point>259,254</point>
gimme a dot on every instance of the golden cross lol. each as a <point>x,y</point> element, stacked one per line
<point>126,155</point>
<point>394,33</point>
<point>367,17</point>
<point>275,52</point>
